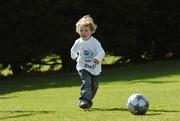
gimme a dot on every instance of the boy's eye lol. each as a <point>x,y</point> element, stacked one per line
<point>83,30</point>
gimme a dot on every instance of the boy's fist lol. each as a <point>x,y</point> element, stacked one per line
<point>96,61</point>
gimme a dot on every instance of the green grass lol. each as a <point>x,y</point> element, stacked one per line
<point>55,97</point>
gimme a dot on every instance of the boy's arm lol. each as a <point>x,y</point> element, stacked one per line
<point>74,54</point>
<point>100,52</point>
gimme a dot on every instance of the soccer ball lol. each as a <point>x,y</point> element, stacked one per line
<point>138,104</point>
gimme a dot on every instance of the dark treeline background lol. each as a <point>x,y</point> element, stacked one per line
<point>136,30</point>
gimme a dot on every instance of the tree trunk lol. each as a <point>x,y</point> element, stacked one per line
<point>16,69</point>
<point>67,63</point>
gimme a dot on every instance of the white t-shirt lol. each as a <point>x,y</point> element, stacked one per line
<point>84,52</point>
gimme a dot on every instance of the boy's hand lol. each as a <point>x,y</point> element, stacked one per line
<point>96,61</point>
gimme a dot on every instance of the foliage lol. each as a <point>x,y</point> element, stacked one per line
<point>136,30</point>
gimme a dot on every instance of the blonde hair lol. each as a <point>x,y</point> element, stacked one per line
<point>86,21</point>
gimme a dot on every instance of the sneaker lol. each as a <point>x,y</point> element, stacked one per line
<point>84,104</point>
<point>90,104</point>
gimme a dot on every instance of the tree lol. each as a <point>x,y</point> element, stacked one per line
<point>135,30</point>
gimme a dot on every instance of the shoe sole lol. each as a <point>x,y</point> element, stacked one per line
<point>85,106</point>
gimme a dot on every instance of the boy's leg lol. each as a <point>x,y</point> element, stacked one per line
<point>94,85</point>
<point>86,92</point>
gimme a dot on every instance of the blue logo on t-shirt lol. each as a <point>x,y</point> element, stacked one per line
<point>88,55</point>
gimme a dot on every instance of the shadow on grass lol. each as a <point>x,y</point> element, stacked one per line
<point>17,114</point>
<point>130,74</point>
<point>155,112</point>
<point>38,82</point>
<point>107,109</point>
<point>8,97</point>
<point>168,111</point>
<point>140,72</point>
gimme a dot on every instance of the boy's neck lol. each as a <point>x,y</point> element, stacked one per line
<point>86,39</point>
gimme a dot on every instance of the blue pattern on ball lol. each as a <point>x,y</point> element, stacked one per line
<point>138,104</point>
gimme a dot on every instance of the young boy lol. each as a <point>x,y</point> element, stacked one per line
<point>88,53</point>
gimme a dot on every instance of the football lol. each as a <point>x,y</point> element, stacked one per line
<point>138,104</point>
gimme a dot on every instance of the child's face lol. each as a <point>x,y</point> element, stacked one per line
<point>85,32</point>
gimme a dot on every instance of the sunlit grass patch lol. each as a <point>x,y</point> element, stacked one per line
<point>110,59</point>
<point>6,71</point>
<point>52,62</point>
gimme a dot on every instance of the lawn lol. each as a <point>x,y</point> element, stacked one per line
<point>54,97</point>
